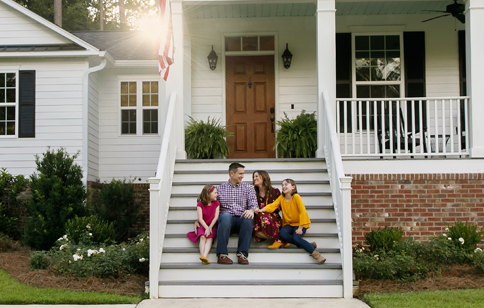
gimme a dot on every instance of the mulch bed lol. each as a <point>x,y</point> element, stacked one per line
<point>455,277</point>
<point>16,263</point>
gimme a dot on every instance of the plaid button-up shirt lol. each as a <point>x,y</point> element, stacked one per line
<point>235,200</point>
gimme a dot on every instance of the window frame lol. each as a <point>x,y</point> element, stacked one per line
<point>355,83</point>
<point>16,104</point>
<point>139,104</point>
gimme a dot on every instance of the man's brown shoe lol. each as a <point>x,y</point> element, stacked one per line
<point>242,258</point>
<point>224,259</point>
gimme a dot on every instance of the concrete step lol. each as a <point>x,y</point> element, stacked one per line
<point>262,164</point>
<point>307,187</point>
<point>178,200</point>
<point>217,178</point>
<point>291,249</point>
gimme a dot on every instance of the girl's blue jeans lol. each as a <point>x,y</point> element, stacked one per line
<point>288,234</point>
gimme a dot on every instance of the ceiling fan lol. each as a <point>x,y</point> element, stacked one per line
<point>455,9</point>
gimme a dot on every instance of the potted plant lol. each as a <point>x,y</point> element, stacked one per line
<point>297,138</point>
<point>206,140</point>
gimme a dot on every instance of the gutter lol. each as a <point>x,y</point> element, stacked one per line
<point>85,112</point>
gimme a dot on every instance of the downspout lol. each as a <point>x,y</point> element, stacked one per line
<point>85,114</point>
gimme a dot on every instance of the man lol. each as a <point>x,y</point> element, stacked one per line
<point>237,206</point>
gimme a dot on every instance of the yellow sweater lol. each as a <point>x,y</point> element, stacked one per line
<point>293,212</point>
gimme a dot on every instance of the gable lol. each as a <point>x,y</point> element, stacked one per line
<point>19,29</point>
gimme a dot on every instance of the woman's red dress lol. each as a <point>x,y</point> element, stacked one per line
<point>268,223</point>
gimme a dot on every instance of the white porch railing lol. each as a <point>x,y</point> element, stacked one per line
<point>341,193</point>
<point>403,127</point>
<point>160,191</point>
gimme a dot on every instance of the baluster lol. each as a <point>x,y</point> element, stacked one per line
<point>398,125</point>
<point>390,125</point>
<point>368,127</point>
<point>459,128</point>
<point>375,124</point>
<point>466,118</point>
<point>451,123</point>
<point>436,133</point>
<point>345,127</point>
<point>360,121</point>
<point>383,126</point>
<point>353,124</point>
<point>442,105</point>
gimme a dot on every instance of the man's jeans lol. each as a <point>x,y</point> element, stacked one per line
<point>228,224</point>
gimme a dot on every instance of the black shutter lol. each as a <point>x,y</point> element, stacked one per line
<point>343,74</point>
<point>462,63</point>
<point>26,104</point>
<point>414,56</point>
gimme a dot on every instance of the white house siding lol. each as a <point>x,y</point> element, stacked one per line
<point>93,128</point>
<point>130,157</point>
<point>23,30</point>
<point>58,112</point>
<point>296,85</point>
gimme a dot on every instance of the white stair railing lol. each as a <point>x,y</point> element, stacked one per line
<point>341,193</point>
<point>160,191</point>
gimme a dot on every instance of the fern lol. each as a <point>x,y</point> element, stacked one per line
<point>297,138</point>
<point>206,140</point>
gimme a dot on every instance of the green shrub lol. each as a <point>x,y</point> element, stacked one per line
<point>390,265</point>
<point>68,258</point>
<point>120,204</point>
<point>206,140</point>
<point>477,261</point>
<point>39,260</point>
<point>11,203</point>
<point>57,195</point>
<point>6,242</point>
<point>297,138</point>
<point>465,235</point>
<point>92,228</point>
<point>383,239</point>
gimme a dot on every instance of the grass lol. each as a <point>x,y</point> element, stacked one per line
<point>442,299</point>
<point>13,292</point>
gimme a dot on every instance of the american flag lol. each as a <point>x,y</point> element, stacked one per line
<point>166,49</point>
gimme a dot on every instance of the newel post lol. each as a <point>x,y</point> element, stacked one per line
<point>346,231</point>
<point>154,237</point>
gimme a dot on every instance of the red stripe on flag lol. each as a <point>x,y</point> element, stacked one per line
<point>166,48</point>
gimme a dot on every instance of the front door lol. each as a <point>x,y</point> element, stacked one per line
<point>250,106</point>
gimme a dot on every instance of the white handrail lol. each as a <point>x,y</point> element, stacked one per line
<point>340,191</point>
<point>160,191</point>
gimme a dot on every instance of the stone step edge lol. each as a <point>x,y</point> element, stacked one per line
<point>315,182</point>
<point>302,194</point>
<point>308,207</point>
<point>252,160</point>
<point>251,265</point>
<point>191,221</point>
<point>325,235</point>
<point>289,282</point>
<point>251,250</point>
<point>248,171</point>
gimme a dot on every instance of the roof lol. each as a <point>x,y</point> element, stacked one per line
<point>121,45</point>
<point>40,48</point>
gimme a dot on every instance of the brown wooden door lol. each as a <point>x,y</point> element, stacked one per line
<point>250,96</point>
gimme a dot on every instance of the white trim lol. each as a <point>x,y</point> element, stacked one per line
<point>139,79</point>
<point>355,83</point>
<point>49,54</point>
<point>50,25</point>
<point>15,104</point>
<point>377,28</point>
<point>249,53</point>
<point>136,63</point>
<point>413,166</point>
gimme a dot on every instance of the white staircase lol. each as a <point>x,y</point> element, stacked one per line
<point>287,272</point>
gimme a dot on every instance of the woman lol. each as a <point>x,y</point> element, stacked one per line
<point>266,225</point>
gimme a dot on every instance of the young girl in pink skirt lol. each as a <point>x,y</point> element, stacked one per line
<point>208,212</point>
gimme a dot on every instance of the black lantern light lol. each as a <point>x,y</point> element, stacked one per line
<point>287,58</point>
<point>212,59</point>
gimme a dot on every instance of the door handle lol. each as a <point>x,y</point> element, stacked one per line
<point>272,123</point>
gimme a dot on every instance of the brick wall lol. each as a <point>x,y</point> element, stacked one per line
<point>422,204</point>
<point>143,194</point>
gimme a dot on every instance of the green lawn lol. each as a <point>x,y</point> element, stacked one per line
<point>438,299</point>
<point>13,292</point>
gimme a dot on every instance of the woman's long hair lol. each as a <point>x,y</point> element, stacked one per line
<point>203,197</point>
<point>266,182</point>
<point>293,183</point>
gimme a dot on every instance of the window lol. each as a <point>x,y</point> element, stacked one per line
<point>8,103</point>
<point>249,43</point>
<point>139,107</point>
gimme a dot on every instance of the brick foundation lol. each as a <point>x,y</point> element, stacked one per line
<point>422,204</point>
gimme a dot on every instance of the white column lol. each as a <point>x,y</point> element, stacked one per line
<point>175,77</point>
<point>154,237</point>
<point>475,79</point>
<point>347,237</point>
<point>326,57</point>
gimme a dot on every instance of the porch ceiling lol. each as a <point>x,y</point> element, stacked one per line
<point>298,9</point>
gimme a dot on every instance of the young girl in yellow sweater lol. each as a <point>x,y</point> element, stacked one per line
<point>295,219</point>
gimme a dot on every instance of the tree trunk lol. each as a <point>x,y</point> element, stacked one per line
<point>101,15</point>
<point>122,14</point>
<point>58,12</point>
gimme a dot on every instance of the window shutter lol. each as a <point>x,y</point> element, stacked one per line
<point>414,56</point>
<point>462,63</point>
<point>26,104</point>
<point>343,74</point>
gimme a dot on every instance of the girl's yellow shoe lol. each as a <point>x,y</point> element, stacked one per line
<point>204,260</point>
<point>277,245</point>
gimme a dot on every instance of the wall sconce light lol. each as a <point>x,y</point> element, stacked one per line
<point>287,58</point>
<point>212,59</point>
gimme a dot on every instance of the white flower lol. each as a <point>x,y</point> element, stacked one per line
<point>142,260</point>
<point>478,249</point>
<point>91,252</point>
<point>444,234</point>
<point>62,247</point>
<point>101,250</point>
<point>65,237</point>
<point>461,240</point>
<point>77,257</point>
<point>60,239</point>
<point>90,234</point>
<point>124,249</point>
<point>449,238</point>
<point>140,239</point>
<point>88,226</point>
<point>446,229</point>
<point>78,249</point>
